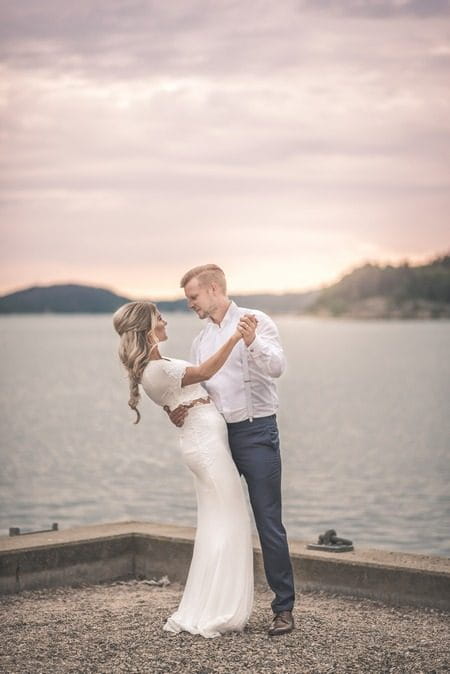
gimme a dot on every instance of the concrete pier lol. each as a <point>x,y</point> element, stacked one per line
<point>127,550</point>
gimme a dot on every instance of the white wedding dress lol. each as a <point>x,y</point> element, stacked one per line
<point>218,595</point>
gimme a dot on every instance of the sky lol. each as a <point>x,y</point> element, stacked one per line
<point>288,142</point>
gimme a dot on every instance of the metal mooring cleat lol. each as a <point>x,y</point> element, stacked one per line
<point>15,531</point>
<point>330,542</point>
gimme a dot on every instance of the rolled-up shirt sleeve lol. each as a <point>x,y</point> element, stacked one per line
<point>266,352</point>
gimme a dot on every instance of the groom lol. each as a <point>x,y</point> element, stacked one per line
<point>244,392</point>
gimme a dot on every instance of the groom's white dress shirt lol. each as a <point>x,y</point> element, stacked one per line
<point>233,397</point>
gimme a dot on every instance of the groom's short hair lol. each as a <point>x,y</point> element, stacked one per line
<point>206,274</point>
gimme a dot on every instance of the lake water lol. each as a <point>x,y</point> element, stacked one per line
<point>364,423</point>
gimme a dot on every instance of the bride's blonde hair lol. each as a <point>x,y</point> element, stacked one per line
<point>133,322</point>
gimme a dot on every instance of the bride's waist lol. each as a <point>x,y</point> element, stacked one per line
<point>205,400</point>
<point>202,413</point>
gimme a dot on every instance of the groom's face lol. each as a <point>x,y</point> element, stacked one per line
<point>200,298</point>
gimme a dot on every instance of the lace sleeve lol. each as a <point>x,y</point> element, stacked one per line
<point>175,371</point>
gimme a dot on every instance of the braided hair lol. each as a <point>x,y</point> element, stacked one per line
<point>133,322</point>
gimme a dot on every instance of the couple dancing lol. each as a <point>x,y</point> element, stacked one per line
<point>224,402</point>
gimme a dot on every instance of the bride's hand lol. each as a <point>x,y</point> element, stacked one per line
<point>238,334</point>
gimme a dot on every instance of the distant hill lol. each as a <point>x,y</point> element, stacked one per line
<point>370,291</point>
<point>405,291</point>
<point>67,299</point>
<point>288,303</point>
<point>72,298</point>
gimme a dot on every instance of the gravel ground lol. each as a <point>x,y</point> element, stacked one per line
<point>117,627</point>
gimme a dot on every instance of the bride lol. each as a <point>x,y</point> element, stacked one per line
<point>218,595</point>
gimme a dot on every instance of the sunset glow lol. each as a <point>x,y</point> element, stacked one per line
<point>286,142</point>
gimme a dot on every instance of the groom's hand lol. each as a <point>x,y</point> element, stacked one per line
<point>247,328</point>
<point>178,415</point>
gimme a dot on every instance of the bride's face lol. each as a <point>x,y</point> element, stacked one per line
<point>160,328</point>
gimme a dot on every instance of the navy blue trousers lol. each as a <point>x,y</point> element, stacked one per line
<point>255,447</point>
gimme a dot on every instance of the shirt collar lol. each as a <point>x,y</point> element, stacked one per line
<point>228,315</point>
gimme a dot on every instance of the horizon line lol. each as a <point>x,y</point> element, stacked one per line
<point>174,298</point>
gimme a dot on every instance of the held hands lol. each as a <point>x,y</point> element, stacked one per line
<point>247,328</point>
<point>237,335</point>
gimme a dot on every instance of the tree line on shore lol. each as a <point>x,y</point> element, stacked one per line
<point>369,291</point>
<point>403,291</point>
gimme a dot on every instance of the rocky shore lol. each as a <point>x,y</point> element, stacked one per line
<point>117,627</point>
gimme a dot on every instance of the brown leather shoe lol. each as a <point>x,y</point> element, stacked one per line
<point>282,623</point>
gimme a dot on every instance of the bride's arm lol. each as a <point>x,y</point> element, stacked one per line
<point>196,373</point>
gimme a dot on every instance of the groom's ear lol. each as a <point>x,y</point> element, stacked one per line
<point>214,287</point>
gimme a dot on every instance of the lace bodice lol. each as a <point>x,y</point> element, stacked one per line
<point>161,381</point>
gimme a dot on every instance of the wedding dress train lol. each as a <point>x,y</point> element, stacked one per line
<point>218,595</point>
